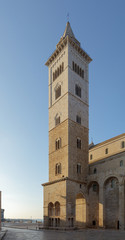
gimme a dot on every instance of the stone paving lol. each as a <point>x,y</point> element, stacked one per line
<point>2,233</point>
<point>23,234</point>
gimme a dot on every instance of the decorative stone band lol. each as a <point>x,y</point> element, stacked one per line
<point>63,179</point>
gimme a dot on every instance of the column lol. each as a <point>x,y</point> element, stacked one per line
<point>121,205</point>
<point>101,206</point>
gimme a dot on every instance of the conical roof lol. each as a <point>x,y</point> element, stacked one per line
<point>68,31</point>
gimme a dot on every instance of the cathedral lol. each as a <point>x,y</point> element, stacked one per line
<point>86,187</point>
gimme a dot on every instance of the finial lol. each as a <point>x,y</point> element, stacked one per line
<point>67,17</point>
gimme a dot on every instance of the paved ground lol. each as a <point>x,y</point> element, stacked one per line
<point>2,233</point>
<point>23,234</point>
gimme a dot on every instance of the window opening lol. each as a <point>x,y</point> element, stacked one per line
<point>106,151</point>
<point>78,91</point>
<point>79,168</point>
<point>57,120</point>
<point>78,119</point>
<point>58,92</point>
<point>79,143</point>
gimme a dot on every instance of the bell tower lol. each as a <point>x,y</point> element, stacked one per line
<point>68,132</point>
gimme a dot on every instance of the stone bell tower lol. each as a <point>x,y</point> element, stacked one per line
<point>68,133</point>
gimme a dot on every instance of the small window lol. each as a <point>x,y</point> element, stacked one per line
<point>95,171</point>
<point>91,156</point>
<point>122,144</point>
<point>73,66</point>
<point>62,66</point>
<point>58,143</point>
<point>58,169</point>
<point>106,151</point>
<point>79,168</point>
<point>79,143</point>
<point>78,90</point>
<point>60,69</point>
<point>78,69</point>
<point>82,73</point>
<point>78,119</point>
<point>94,187</point>
<point>80,186</point>
<point>55,74</point>
<point>58,92</point>
<point>121,163</point>
<point>57,121</point>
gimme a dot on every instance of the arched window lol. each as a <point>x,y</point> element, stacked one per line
<point>78,69</point>
<point>122,144</point>
<point>79,143</point>
<point>91,156</point>
<point>78,90</point>
<point>78,168</point>
<point>62,66</point>
<point>57,120</point>
<point>75,67</point>
<point>58,71</point>
<point>50,209</point>
<point>58,143</point>
<point>78,119</point>
<point>121,163</point>
<point>55,74</point>
<point>58,92</point>
<point>106,151</point>
<point>57,209</point>
<point>80,72</point>
<point>58,169</point>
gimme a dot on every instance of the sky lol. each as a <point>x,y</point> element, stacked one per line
<point>29,32</point>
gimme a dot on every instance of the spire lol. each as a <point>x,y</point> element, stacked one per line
<point>68,31</point>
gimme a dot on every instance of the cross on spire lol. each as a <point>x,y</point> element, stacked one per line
<point>67,17</point>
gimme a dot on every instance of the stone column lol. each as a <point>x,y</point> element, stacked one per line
<point>121,205</point>
<point>101,205</point>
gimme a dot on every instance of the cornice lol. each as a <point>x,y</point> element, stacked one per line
<point>63,179</point>
<point>62,44</point>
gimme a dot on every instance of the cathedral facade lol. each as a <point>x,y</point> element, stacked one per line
<point>86,182</point>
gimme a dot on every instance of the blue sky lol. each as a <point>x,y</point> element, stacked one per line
<point>29,32</point>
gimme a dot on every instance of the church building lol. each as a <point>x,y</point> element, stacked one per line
<point>86,186</point>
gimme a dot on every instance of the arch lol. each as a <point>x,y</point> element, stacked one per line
<point>57,209</point>
<point>58,143</point>
<point>111,202</point>
<point>93,210</point>
<point>50,209</point>
<point>58,168</point>
<point>80,210</point>
<point>58,118</point>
